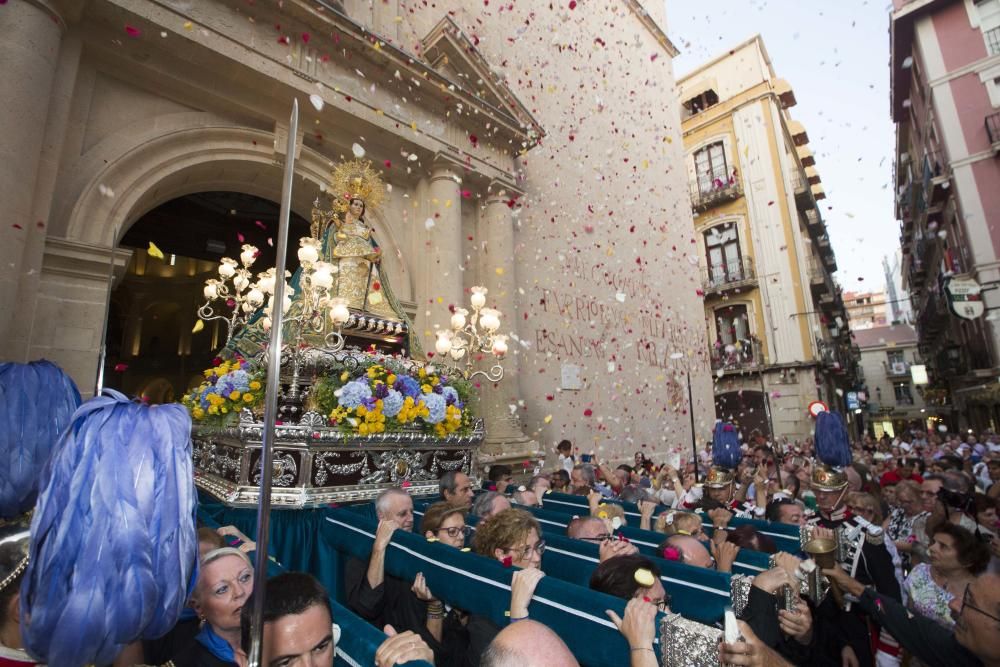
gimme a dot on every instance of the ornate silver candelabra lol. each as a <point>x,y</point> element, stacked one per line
<point>469,337</point>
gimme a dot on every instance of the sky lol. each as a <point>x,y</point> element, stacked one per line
<point>835,55</point>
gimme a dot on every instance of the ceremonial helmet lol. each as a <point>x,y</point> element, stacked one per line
<point>833,453</point>
<point>726,456</point>
<point>14,542</point>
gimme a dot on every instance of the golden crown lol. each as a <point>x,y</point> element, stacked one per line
<point>355,179</point>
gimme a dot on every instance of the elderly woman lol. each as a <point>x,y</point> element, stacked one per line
<point>899,524</point>
<point>956,558</point>
<point>224,586</point>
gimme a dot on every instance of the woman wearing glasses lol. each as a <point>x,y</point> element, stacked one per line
<point>457,638</point>
<point>512,537</point>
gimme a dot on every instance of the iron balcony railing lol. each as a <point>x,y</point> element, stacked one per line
<point>723,276</point>
<point>896,368</point>
<point>711,190</point>
<point>993,127</point>
<point>992,38</point>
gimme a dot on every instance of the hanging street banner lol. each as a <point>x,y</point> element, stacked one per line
<point>965,297</point>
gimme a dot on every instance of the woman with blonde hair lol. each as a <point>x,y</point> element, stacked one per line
<point>225,582</point>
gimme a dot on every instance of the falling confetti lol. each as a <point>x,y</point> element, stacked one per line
<point>198,326</point>
<point>358,150</point>
<point>132,31</point>
<point>316,101</point>
<point>153,251</point>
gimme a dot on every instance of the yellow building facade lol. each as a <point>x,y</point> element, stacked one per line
<point>776,325</point>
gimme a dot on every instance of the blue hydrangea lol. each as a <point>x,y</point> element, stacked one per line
<point>392,403</point>
<point>450,395</point>
<point>354,393</point>
<point>435,407</point>
<point>240,380</point>
<point>407,386</point>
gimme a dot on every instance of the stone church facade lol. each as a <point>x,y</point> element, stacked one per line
<point>530,148</point>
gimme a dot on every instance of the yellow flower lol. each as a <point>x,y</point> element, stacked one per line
<point>435,380</point>
<point>199,413</point>
<point>224,410</point>
<point>422,373</point>
<point>248,398</point>
<point>209,372</point>
<point>255,385</point>
<point>426,388</point>
<point>213,409</point>
<point>391,379</point>
<point>235,395</point>
<point>362,411</point>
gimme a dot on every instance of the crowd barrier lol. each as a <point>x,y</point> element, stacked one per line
<point>482,586</point>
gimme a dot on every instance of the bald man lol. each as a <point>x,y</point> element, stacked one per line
<point>693,552</point>
<point>527,643</point>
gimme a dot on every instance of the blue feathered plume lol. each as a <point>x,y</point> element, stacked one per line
<point>833,447</point>
<point>113,541</point>
<point>726,452</point>
<point>36,403</point>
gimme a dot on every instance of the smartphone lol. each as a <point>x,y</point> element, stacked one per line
<point>586,458</point>
<point>731,631</point>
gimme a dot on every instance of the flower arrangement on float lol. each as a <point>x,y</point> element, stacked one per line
<point>229,386</point>
<point>388,394</point>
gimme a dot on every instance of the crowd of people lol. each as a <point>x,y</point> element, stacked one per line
<point>918,581</point>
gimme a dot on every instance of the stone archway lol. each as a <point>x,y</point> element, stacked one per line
<point>122,178</point>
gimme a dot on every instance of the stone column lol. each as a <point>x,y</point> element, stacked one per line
<point>29,50</point>
<point>504,438</point>
<point>69,319</point>
<point>444,276</point>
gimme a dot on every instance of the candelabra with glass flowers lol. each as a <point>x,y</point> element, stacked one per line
<point>234,289</point>
<point>317,314</point>
<point>469,337</point>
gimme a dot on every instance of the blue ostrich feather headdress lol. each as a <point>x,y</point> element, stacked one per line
<point>833,447</point>
<point>726,451</point>
<point>113,542</point>
<point>36,403</point>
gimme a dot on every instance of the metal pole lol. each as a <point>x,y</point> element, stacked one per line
<point>694,435</point>
<point>271,398</point>
<point>103,356</point>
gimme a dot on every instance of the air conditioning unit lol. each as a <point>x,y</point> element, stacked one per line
<point>899,368</point>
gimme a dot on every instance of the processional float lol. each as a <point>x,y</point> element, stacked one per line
<point>320,394</point>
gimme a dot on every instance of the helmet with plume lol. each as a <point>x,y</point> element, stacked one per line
<point>36,403</point>
<point>833,449</point>
<point>113,543</point>
<point>726,456</point>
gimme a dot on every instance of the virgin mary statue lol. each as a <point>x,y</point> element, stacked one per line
<point>347,241</point>
<point>343,238</point>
